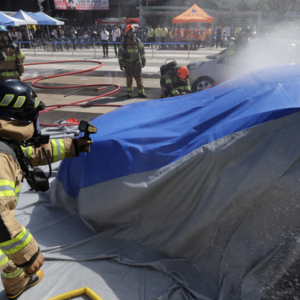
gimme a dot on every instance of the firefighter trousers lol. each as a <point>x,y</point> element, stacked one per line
<point>134,70</point>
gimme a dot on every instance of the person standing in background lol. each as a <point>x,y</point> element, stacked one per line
<point>157,34</point>
<point>55,32</point>
<point>104,39</point>
<point>19,36</point>
<point>150,35</point>
<point>212,37</point>
<point>12,66</point>
<point>13,34</point>
<point>195,37</point>
<point>132,59</point>
<point>207,35</point>
<point>60,32</point>
<point>186,32</point>
<point>219,36</point>
<point>164,34</point>
<point>237,31</point>
<point>201,39</point>
<point>178,35</point>
<point>115,35</point>
<point>141,35</point>
<point>172,36</point>
<point>25,38</point>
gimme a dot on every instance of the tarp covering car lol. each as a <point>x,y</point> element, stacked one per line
<point>193,15</point>
<point>192,197</point>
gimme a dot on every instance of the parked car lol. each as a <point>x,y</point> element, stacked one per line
<point>259,54</point>
<point>203,74</point>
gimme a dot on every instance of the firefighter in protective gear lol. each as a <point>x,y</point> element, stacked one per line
<point>11,57</point>
<point>132,58</point>
<point>234,53</point>
<point>175,82</point>
<point>20,256</point>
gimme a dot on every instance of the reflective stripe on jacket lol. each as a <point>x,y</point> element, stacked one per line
<point>135,51</point>
<point>16,242</point>
<point>12,66</point>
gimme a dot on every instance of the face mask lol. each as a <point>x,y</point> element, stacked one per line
<point>16,131</point>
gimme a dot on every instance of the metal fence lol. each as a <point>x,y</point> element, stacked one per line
<point>76,44</point>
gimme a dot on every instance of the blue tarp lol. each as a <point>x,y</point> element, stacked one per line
<point>203,188</point>
<point>149,135</point>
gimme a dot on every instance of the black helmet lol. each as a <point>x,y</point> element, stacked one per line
<point>18,102</point>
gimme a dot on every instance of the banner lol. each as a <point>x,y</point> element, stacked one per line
<point>81,4</point>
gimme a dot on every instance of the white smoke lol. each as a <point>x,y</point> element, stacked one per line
<point>278,46</point>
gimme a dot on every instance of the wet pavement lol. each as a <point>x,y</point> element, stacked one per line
<point>109,73</point>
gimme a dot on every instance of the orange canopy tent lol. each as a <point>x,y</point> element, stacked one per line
<point>194,15</point>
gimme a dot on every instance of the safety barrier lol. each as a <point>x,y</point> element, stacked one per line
<point>75,45</point>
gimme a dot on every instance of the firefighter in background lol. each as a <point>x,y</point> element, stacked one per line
<point>234,53</point>
<point>11,57</point>
<point>132,58</point>
<point>20,255</point>
<point>175,82</point>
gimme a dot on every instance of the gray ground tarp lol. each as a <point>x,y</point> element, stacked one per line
<point>221,223</point>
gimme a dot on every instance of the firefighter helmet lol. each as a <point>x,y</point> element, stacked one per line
<point>18,102</point>
<point>129,28</point>
<point>182,72</point>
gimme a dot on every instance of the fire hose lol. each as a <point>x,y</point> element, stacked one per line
<point>77,103</point>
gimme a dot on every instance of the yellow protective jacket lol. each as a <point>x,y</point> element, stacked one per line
<point>174,83</point>
<point>12,66</point>
<point>150,32</point>
<point>131,51</point>
<point>16,242</point>
<point>164,32</point>
<point>158,32</point>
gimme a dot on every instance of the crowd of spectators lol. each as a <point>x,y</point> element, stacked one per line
<point>22,34</point>
<point>195,37</point>
<point>164,37</point>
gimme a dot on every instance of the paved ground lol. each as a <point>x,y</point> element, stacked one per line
<point>109,73</point>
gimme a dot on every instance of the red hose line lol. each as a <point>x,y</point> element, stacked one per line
<point>52,107</point>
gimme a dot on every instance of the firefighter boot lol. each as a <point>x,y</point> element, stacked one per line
<point>15,282</point>
<point>129,92</point>
<point>142,95</point>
